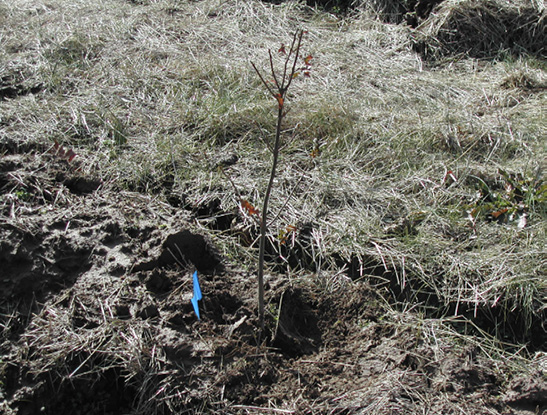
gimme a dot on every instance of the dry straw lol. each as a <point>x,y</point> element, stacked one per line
<point>483,28</point>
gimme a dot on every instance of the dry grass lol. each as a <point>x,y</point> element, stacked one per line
<point>154,94</point>
<point>159,93</point>
<point>484,29</point>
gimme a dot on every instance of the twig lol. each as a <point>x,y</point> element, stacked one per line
<point>258,408</point>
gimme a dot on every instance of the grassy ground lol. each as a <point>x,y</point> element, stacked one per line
<point>413,159</point>
<point>423,178</point>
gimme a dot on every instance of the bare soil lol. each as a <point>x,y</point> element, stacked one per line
<point>96,319</point>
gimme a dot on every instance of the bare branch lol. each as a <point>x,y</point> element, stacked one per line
<point>263,80</point>
<point>296,56</point>
<point>291,51</point>
<point>273,73</point>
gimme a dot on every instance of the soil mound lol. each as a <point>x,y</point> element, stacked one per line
<point>483,29</point>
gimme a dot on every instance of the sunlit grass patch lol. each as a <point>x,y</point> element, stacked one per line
<point>392,170</point>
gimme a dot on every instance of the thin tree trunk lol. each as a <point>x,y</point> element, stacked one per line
<point>264,220</point>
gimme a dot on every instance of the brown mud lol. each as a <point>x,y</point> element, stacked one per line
<point>96,318</point>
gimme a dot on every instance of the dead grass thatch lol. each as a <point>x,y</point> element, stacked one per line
<point>483,29</point>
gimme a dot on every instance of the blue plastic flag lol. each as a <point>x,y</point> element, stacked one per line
<point>197,294</point>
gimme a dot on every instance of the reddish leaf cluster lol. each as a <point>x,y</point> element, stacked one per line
<point>304,69</point>
<point>280,100</point>
<point>307,63</point>
<point>500,212</point>
<point>60,151</point>
<point>248,207</point>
